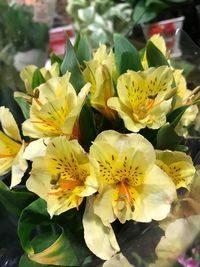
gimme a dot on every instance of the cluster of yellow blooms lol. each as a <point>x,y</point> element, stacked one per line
<point>122,175</point>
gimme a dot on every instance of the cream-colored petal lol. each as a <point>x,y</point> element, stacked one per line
<point>103,205</point>
<point>131,89</point>
<point>56,87</point>
<point>57,205</point>
<point>169,157</point>
<point>90,186</point>
<point>36,148</point>
<point>99,238</point>
<point>179,235</point>
<point>155,197</point>
<point>68,125</point>
<point>26,75</point>
<point>9,124</point>
<point>54,71</point>
<point>126,114</point>
<point>28,129</point>
<point>19,167</point>
<point>123,142</point>
<point>179,167</point>
<point>5,165</point>
<point>157,116</point>
<point>117,260</point>
<point>39,180</point>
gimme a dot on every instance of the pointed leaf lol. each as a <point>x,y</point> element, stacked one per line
<point>15,200</point>
<point>25,108</point>
<point>163,140</point>
<point>176,114</point>
<point>70,63</point>
<point>83,50</point>
<point>37,78</point>
<point>59,246</point>
<point>55,59</point>
<point>155,57</point>
<point>126,55</point>
<point>87,126</point>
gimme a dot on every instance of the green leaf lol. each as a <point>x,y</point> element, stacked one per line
<point>175,115</point>
<point>15,200</point>
<point>142,13</point>
<point>126,55</point>
<point>153,2</point>
<point>58,247</point>
<point>177,1</point>
<point>25,108</point>
<point>83,49</point>
<point>155,57</point>
<point>7,100</point>
<point>34,214</point>
<point>26,262</point>
<point>56,59</point>
<point>54,249</point>
<point>87,126</point>
<point>145,11</point>
<point>167,138</point>
<point>70,63</point>
<point>38,79</point>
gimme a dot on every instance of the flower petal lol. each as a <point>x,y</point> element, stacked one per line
<point>99,238</point>
<point>117,260</point>
<point>177,165</point>
<point>179,235</point>
<point>9,124</point>
<point>19,167</point>
<point>156,196</point>
<point>36,148</point>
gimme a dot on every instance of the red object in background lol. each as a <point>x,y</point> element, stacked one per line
<point>58,39</point>
<point>167,30</point>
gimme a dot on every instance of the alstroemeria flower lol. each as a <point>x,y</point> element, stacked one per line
<point>184,97</point>
<point>11,148</point>
<point>27,77</point>
<point>176,165</point>
<point>132,186</point>
<point>144,98</point>
<point>55,112</point>
<point>63,176</point>
<point>101,72</point>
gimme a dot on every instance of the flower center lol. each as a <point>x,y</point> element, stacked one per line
<point>124,193</point>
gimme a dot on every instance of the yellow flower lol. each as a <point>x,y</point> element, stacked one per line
<point>101,72</point>
<point>159,42</point>
<point>144,98</point>
<point>176,165</point>
<point>63,176</point>
<point>27,77</point>
<point>11,148</point>
<point>55,112</point>
<point>183,98</point>
<point>132,186</point>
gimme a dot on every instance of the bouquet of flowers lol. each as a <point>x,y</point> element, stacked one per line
<point>100,145</point>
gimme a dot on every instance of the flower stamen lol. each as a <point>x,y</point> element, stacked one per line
<point>125,194</point>
<point>7,155</point>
